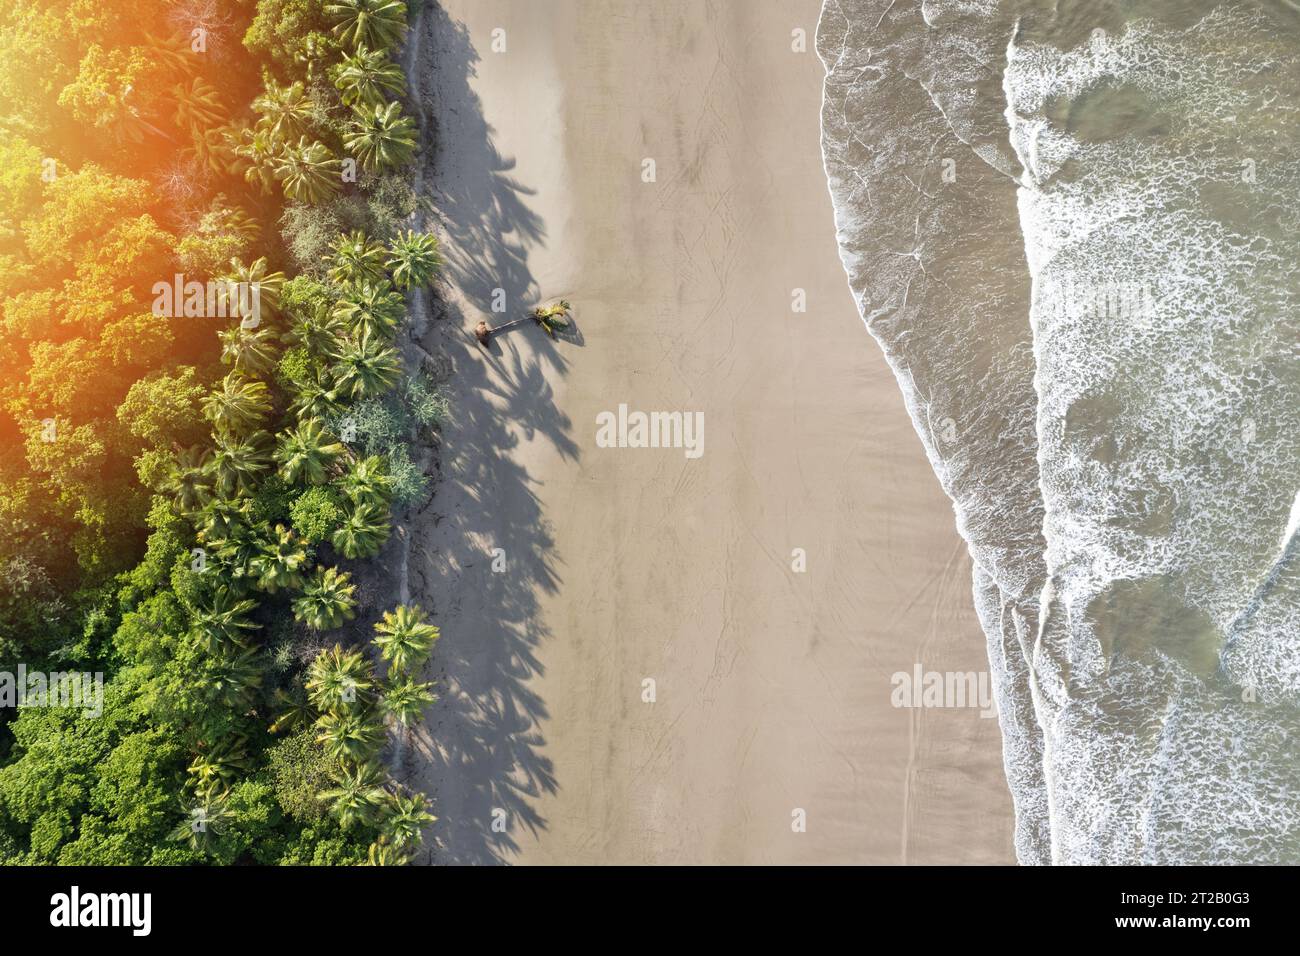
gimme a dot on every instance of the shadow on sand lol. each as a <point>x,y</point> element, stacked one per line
<point>479,755</point>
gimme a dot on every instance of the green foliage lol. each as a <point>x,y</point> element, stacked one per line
<point>310,231</point>
<point>300,770</point>
<point>368,78</point>
<point>371,310</point>
<point>316,513</point>
<point>356,258</point>
<point>273,502</point>
<point>413,259</point>
<point>287,31</point>
<point>408,482</point>
<point>298,367</point>
<point>223,233</point>
<point>308,171</point>
<point>369,24</point>
<point>84,788</point>
<point>364,530</point>
<point>304,297</point>
<point>308,453</point>
<point>381,138</point>
<point>405,638</point>
<point>366,481</point>
<point>281,561</point>
<point>328,600</point>
<point>390,203</point>
<point>404,699</point>
<point>426,404</point>
<point>366,368</point>
<point>201,646</point>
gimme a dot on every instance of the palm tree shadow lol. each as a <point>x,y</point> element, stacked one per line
<point>482,551</point>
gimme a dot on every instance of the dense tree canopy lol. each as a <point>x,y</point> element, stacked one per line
<point>181,512</point>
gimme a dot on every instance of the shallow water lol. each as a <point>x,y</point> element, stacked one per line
<point>1072,227</point>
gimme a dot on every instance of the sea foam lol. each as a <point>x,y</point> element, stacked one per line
<point>1125,478</point>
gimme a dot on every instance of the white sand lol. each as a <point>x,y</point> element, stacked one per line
<point>772,686</point>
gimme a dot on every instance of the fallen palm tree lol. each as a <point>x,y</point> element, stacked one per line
<point>549,317</point>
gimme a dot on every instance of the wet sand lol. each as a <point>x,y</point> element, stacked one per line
<point>565,575</point>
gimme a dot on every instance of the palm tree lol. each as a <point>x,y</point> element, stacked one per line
<point>384,853</point>
<point>251,351</point>
<point>213,771</point>
<point>238,460</point>
<point>210,148</point>
<point>402,817</point>
<point>203,822</point>
<point>225,622</point>
<point>292,710</point>
<point>372,309</point>
<point>239,405</point>
<point>231,678</point>
<point>308,171</point>
<point>552,317</point>
<point>319,332</point>
<point>405,700</point>
<point>356,258</point>
<point>221,144</point>
<point>338,679</point>
<point>357,794</point>
<point>281,561</point>
<point>189,482</point>
<point>237,552</point>
<point>314,400</point>
<point>373,24</point>
<point>307,452</point>
<point>315,49</point>
<point>260,151</point>
<point>404,638</point>
<point>366,482</point>
<point>349,736</point>
<point>287,111</point>
<point>172,50</point>
<point>365,368</point>
<point>223,518</point>
<point>413,259</point>
<point>363,532</point>
<point>381,138</point>
<point>256,275</point>
<point>366,78</point>
<point>198,106</point>
<point>328,600</point>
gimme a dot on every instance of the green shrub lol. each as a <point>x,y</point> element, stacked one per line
<point>203,256</point>
<point>390,201</point>
<point>310,230</point>
<point>302,296</point>
<point>316,513</point>
<point>297,367</point>
<point>272,500</point>
<point>300,770</point>
<point>288,31</point>
<point>425,403</point>
<point>408,481</point>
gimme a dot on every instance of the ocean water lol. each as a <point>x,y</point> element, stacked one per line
<point>1074,230</point>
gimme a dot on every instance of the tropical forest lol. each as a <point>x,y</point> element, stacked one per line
<point>208,251</point>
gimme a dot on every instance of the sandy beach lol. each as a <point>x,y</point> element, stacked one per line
<point>770,587</point>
